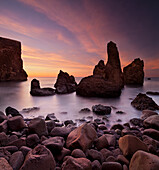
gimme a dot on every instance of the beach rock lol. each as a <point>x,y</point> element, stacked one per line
<point>111,139</point>
<point>143,102</point>
<point>101,142</point>
<point>82,137</point>
<point>76,164</point>
<point>11,149</point>
<point>152,133</point>
<point>25,150</point>
<point>67,122</point>
<point>2,117</point>
<point>4,126</point>
<point>12,111</point>
<point>4,153</point>
<point>101,110</point>
<point>134,73</point>
<point>60,156</point>
<point>78,153</point>
<point>4,165</point>
<point>106,153</point>
<point>18,142</point>
<point>16,123</point>
<point>111,159</point>
<point>55,144</point>
<point>37,91</point>
<point>65,83</point>
<point>147,113</point>
<point>96,165</point>
<point>129,144</point>
<point>51,116</point>
<point>122,159</point>
<point>93,154</point>
<point>11,64</point>
<point>3,139</point>
<point>150,141</point>
<point>84,110</point>
<point>144,160</point>
<point>39,158</point>
<point>16,160</point>
<point>152,93</point>
<point>111,166</point>
<point>152,122</point>
<point>37,126</point>
<point>50,124</point>
<point>117,126</point>
<point>136,122</point>
<point>32,140</point>
<point>60,131</point>
<point>30,109</point>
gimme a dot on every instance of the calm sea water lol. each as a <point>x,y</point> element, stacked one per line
<point>16,94</point>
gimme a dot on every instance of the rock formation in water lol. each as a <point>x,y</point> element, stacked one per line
<point>37,91</point>
<point>65,83</point>
<point>134,73</point>
<point>11,64</point>
<point>107,80</point>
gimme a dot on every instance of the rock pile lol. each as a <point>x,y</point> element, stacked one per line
<point>45,144</point>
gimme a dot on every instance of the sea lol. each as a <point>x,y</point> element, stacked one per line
<point>67,106</point>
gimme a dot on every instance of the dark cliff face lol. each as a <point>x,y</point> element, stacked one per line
<point>11,64</point>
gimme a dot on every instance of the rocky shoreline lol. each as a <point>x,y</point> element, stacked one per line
<point>40,144</point>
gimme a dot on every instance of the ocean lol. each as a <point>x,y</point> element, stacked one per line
<point>67,106</point>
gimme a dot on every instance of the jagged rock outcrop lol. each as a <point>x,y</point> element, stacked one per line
<point>37,91</point>
<point>65,83</point>
<point>11,64</point>
<point>134,73</point>
<point>107,80</point>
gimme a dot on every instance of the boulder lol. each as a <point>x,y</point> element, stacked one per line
<point>32,140</point>
<point>4,165</point>
<point>107,80</point>
<point>76,164</point>
<point>152,93</point>
<point>37,91</point>
<point>25,150</point>
<point>65,83</point>
<point>18,142</point>
<point>144,160</point>
<point>82,137</point>
<point>16,160</point>
<point>93,154</point>
<point>3,139</point>
<point>152,133</point>
<point>143,102</point>
<point>2,117</point>
<point>39,158</point>
<point>152,122</point>
<point>11,64</point>
<point>60,156</point>
<point>16,123</point>
<point>101,142</point>
<point>129,144</point>
<point>111,166</point>
<point>101,110</point>
<point>134,73</point>
<point>111,139</point>
<point>106,153</point>
<point>96,165</point>
<point>55,144</point>
<point>78,153</point>
<point>147,113</point>
<point>12,111</point>
<point>11,149</point>
<point>4,126</point>
<point>60,131</point>
<point>37,126</point>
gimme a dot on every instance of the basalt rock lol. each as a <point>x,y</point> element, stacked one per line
<point>134,73</point>
<point>143,102</point>
<point>11,64</point>
<point>37,91</point>
<point>65,83</point>
<point>107,80</point>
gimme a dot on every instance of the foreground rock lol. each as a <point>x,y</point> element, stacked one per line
<point>152,122</point>
<point>144,160</point>
<point>147,113</point>
<point>143,102</point>
<point>4,165</point>
<point>134,73</point>
<point>11,64</point>
<point>107,80</point>
<point>101,110</point>
<point>65,83</point>
<point>82,137</point>
<point>37,91</point>
<point>39,158</point>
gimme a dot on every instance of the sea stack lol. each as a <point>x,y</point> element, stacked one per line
<point>65,83</point>
<point>107,80</point>
<point>134,73</point>
<point>11,64</point>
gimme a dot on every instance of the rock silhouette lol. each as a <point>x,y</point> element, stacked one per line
<point>134,73</point>
<point>107,80</point>
<point>11,64</point>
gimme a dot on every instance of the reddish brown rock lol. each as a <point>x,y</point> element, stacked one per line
<point>144,160</point>
<point>111,166</point>
<point>39,158</point>
<point>3,139</point>
<point>147,113</point>
<point>71,163</point>
<point>93,154</point>
<point>78,153</point>
<point>4,165</point>
<point>134,73</point>
<point>65,83</point>
<point>152,122</point>
<point>101,142</point>
<point>129,144</point>
<point>16,123</point>
<point>32,140</point>
<point>153,133</point>
<point>4,126</point>
<point>82,137</point>
<point>143,102</point>
<point>2,117</point>
<point>11,64</point>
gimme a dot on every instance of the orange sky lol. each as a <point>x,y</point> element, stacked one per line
<point>72,35</point>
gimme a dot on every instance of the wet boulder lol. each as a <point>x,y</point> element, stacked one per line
<point>101,110</point>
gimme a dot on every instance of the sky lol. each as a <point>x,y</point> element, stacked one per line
<point>72,35</point>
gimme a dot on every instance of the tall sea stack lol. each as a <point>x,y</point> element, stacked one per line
<point>11,64</point>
